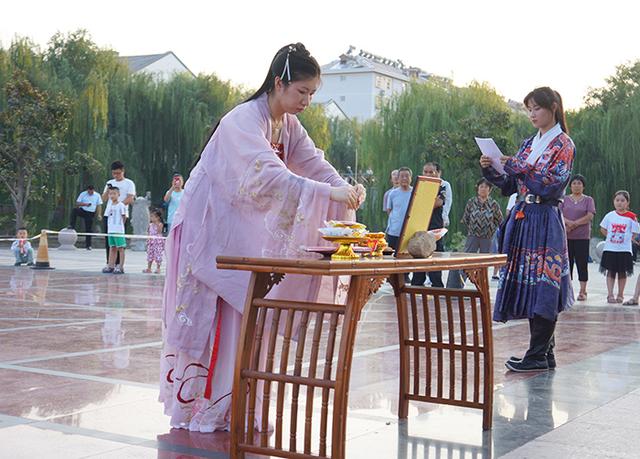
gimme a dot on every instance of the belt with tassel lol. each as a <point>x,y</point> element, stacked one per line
<point>535,199</point>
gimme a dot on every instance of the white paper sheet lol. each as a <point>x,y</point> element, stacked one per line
<point>489,148</point>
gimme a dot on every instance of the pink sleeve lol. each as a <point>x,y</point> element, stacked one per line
<point>592,206</point>
<point>308,161</point>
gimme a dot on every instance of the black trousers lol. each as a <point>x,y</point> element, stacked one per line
<point>393,241</point>
<point>579,256</point>
<point>435,277</point>
<point>105,225</point>
<point>88,222</point>
<point>542,339</point>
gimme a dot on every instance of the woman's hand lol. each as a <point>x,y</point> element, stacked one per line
<point>361,192</point>
<point>485,161</point>
<point>345,194</point>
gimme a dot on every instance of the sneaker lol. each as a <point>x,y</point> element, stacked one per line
<point>118,271</point>
<point>89,248</point>
<point>495,278</point>
<point>30,263</point>
<point>527,366</point>
<point>551,360</point>
<point>17,263</point>
<point>107,270</point>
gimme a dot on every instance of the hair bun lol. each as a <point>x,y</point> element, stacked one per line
<point>300,48</point>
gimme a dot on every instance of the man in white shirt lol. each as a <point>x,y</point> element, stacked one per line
<point>87,204</point>
<point>127,195</point>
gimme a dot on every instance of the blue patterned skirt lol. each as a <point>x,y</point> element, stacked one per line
<point>536,278</point>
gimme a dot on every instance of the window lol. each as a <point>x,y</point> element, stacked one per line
<point>343,98</point>
<point>383,82</point>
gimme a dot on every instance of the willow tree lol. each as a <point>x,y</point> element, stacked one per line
<point>155,127</point>
<point>607,137</point>
<point>435,121</point>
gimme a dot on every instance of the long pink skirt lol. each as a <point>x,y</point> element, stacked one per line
<point>183,379</point>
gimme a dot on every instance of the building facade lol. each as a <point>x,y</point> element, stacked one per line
<point>162,67</point>
<point>360,83</point>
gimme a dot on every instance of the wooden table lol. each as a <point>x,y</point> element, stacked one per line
<point>445,341</point>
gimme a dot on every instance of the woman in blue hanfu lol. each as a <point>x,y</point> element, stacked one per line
<point>535,283</point>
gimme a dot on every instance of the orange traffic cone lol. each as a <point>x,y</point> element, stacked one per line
<point>42,259</point>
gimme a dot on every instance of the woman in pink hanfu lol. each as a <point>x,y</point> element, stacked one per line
<point>260,188</point>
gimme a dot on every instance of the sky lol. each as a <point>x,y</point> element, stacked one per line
<point>514,45</point>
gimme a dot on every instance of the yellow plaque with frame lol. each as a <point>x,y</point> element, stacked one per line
<point>423,199</point>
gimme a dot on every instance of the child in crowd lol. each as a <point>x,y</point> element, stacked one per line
<point>619,227</point>
<point>155,247</point>
<point>21,249</point>
<point>116,215</point>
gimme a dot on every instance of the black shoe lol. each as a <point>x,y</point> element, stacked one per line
<point>551,360</point>
<point>527,366</point>
<point>495,277</point>
<point>17,263</point>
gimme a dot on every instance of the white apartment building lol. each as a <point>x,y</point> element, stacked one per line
<point>163,66</point>
<point>359,83</point>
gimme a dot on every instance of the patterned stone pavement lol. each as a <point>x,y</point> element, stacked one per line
<point>79,361</point>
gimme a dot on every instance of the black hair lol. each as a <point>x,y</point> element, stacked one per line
<point>483,181</point>
<point>291,63</point>
<point>114,188</point>
<point>90,187</point>
<point>623,193</point>
<point>301,66</point>
<point>545,97</point>
<point>580,178</point>
<point>117,165</point>
<point>22,228</point>
<point>405,169</point>
<point>434,164</point>
<point>157,213</point>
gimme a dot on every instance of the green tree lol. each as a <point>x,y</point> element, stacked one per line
<point>317,125</point>
<point>31,131</point>
<point>436,121</point>
<point>607,137</point>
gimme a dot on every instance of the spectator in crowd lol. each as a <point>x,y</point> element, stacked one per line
<point>173,196</point>
<point>432,169</point>
<point>578,210</point>
<point>155,246</point>
<point>398,204</point>
<point>618,227</point>
<point>21,248</point>
<point>116,217</point>
<point>86,207</point>
<point>126,195</point>
<point>428,170</point>
<point>481,217</point>
<point>394,185</point>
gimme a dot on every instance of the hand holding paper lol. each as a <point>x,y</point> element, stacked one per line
<point>489,148</point>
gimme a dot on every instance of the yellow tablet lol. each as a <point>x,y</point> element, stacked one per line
<point>423,198</point>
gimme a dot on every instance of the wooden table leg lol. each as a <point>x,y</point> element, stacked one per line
<point>480,278</point>
<point>397,281</point>
<point>480,325</point>
<point>259,286</point>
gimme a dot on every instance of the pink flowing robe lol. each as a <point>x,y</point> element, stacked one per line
<point>241,199</point>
